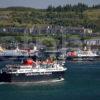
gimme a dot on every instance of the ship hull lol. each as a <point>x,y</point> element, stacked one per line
<point>4,77</point>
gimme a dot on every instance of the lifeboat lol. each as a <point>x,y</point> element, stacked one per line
<point>69,54</point>
<point>49,61</point>
<point>72,54</point>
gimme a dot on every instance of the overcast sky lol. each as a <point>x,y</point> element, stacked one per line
<point>43,3</point>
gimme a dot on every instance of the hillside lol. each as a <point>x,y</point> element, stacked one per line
<point>27,17</point>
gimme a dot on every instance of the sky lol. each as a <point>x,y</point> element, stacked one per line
<point>43,3</point>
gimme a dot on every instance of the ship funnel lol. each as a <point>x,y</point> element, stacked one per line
<point>28,62</point>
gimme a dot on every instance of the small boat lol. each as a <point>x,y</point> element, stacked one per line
<point>84,55</point>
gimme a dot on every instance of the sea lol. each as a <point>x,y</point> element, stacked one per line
<point>82,82</point>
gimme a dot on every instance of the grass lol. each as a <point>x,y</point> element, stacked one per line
<point>93,14</point>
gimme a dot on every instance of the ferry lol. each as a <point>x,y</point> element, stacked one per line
<point>32,71</point>
<point>16,54</point>
<point>84,55</point>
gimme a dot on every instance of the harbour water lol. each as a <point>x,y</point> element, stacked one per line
<point>82,82</point>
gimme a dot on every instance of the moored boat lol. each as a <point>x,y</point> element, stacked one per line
<point>84,55</point>
<point>16,54</point>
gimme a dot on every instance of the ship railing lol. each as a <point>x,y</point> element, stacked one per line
<point>5,70</point>
<point>46,66</point>
<point>12,70</point>
<point>51,66</point>
<point>1,71</point>
<point>25,67</point>
<point>12,66</point>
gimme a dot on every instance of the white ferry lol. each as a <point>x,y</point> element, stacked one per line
<point>30,71</point>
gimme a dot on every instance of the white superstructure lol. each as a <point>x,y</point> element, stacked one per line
<point>82,53</point>
<point>86,53</point>
<point>17,52</point>
<point>35,68</point>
